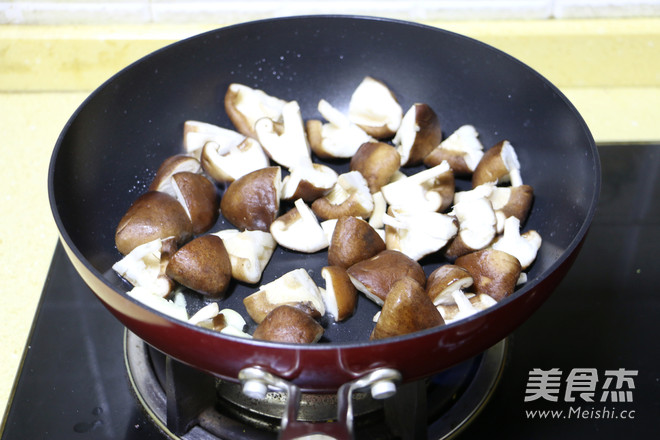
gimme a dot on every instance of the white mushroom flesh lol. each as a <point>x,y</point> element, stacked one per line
<point>477,222</point>
<point>524,247</point>
<point>351,184</point>
<point>418,234</point>
<point>176,308</point>
<point>373,104</point>
<point>249,252</point>
<point>340,137</point>
<point>380,207</point>
<point>255,104</point>
<point>290,148</point>
<point>415,193</point>
<point>465,141</point>
<point>319,176</point>
<point>510,160</point>
<point>235,161</point>
<point>141,268</point>
<point>304,234</point>
<point>196,134</point>
<point>294,287</point>
<point>404,138</point>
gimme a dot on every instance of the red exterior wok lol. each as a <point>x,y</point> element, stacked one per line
<point>110,148</point>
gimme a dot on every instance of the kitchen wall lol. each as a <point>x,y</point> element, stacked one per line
<point>178,11</point>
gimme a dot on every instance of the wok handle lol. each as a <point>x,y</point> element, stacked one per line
<point>256,382</point>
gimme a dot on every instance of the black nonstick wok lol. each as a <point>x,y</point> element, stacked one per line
<point>110,148</point>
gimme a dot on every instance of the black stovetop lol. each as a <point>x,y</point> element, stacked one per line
<point>599,326</point>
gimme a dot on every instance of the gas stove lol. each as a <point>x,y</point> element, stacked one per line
<point>585,365</point>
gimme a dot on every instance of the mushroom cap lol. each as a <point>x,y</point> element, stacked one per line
<point>518,203</point>
<point>202,265</point>
<point>494,272</point>
<point>499,164</point>
<point>353,240</point>
<point>377,162</point>
<point>253,201</point>
<point>174,164</point>
<point>200,199</point>
<point>375,276</point>
<point>420,132</point>
<point>288,324</point>
<point>407,309</point>
<point>446,279</point>
<point>339,295</point>
<point>153,215</point>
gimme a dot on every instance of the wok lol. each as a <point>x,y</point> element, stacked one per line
<point>109,150</point>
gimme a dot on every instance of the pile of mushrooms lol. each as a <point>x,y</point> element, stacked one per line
<point>376,221</point>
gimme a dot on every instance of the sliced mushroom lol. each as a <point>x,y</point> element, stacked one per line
<point>174,164</point>
<point>407,309</point>
<point>353,240</point>
<point>225,321</point>
<point>299,230</point>
<point>288,324</point>
<point>339,295</point>
<point>428,190</point>
<point>338,138</point>
<point>308,183</point>
<point>200,199</point>
<point>494,272</point>
<point>153,215</point>
<point>349,196</point>
<point>285,143</point>
<point>295,288</point>
<point>462,149</point>
<point>245,106</point>
<point>477,226</point>
<point>418,234</point>
<point>512,201</point>
<point>144,267</point>
<point>522,246</point>
<point>253,201</point>
<point>374,108</point>
<point>249,252</point>
<point>500,165</point>
<point>380,208</point>
<point>175,307</point>
<point>197,134</point>
<point>202,265</point>
<point>376,276</point>
<point>224,164</point>
<point>420,132</point>
<point>444,280</point>
<point>464,306</point>
<point>377,162</point>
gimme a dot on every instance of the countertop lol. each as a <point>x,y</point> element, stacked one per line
<point>609,69</point>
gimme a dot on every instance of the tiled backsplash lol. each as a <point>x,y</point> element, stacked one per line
<point>209,11</point>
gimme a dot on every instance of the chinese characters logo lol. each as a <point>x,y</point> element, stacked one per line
<point>581,383</point>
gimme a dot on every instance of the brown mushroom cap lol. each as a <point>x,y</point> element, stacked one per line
<point>340,295</point>
<point>153,215</point>
<point>407,309</point>
<point>309,184</point>
<point>377,162</point>
<point>519,203</point>
<point>170,166</point>
<point>444,280</point>
<point>202,265</point>
<point>376,276</point>
<point>353,240</point>
<point>288,324</point>
<point>253,201</point>
<point>495,273</point>
<point>497,165</point>
<point>427,135</point>
<point>200,199</point>
<point>349,197</point>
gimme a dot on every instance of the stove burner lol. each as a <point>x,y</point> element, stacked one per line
<point>206,408</point>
